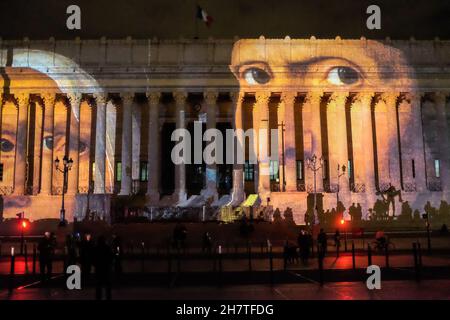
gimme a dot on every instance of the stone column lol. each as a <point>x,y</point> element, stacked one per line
<point>312,137</point>
<point>100,143</point>
<point>411,138</point>
<point>440,100</point>
<point>290,155</point>
<point>337,139</point>
<point>47,153</point>
<point>362,141</point>
<point>237,100</point>
<point>74,101</point>
<point>21,143</point>
<point>211,169</point>
<point>262,147</point>
<point>180,169</point>
<point>391,146</point>
<point>154,152</point>
<point>127,101</point>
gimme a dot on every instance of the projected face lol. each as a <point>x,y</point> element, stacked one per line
<point>327,66</point>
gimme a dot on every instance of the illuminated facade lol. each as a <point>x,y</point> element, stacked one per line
<point>378,107</point>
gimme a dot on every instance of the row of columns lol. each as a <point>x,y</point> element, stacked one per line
<point>398,137</point>
<point>390,142</point>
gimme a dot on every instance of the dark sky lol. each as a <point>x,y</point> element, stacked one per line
<point>401,19</point>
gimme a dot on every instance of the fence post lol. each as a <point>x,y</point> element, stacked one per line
<point>386,251</point>
<point>320,258</point>
<point>353,255</point>
<point>249,249</point>
<point>269,250</point>
<point>143,257</point>
<point>11,272</point>
<point>416,262</point>
<point>369,255</point>
<point>220,265</point>
<point>419,250</point>
<point>34,259</point>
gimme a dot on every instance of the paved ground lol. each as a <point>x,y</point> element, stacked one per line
<point>259,263</point>
<point>390,290</point>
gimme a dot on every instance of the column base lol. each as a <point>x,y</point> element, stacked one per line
<point>210,193</point>
<point>152,196</point>
<point>180,195</point>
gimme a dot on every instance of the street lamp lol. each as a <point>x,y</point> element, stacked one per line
<point>314,164</point>
<point>340,173</point>
<point>66,166</point>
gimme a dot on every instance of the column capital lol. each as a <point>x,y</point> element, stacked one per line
<point>262,97</point>
<point>389,98</point>
<point>337,99</point>
<point>237,97</point>
<point>127,97</point>
<point>153,97</point>
<point>22,99</point>
<point>101,97</point>
<point>288,97</point>
<point>210,96</point>
<point>313,97</point>
<point>48,99</point>
<point>361,100</point>
<point>180,97</point>
<point>74,98</point>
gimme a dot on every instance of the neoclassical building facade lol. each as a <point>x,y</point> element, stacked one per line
<point>379,108</point>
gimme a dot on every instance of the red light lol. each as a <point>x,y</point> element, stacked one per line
<point>342,221</point>
<point>24,224</point>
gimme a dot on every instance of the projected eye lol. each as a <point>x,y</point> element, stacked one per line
<point>82,147</point>
<point>342,76</point>
<point>256,76</point>
<point>48,142</point>
<point>6,145</point>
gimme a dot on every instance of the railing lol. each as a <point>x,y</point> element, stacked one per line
<point>31,190</point>
<point>275,186</point>
<point>434,186</point>
<point>6,190</point>
<point>329,187</point>
<point>409,187</point>
<point>358,187</point>
<point>301,186</point>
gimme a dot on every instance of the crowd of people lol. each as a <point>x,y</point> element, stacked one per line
<point>99,256</point>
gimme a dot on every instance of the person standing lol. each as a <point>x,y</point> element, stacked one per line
<point>117,250</point>
<point>337,241</point>
<point>86,256</point>
<point>322,243</point>
<point>46,251</point>
<point>103,264</point>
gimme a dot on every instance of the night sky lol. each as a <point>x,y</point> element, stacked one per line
<point>423,19</point>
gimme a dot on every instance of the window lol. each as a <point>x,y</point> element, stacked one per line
<point>143,171</point>
<point>413,168</point>
<point>119,171</point>
<point>437,168</point>
<point>273,170</point>
<point>299,169</point>
<point>350,169</point>
<point>248,171</point>
<point>1,171</point>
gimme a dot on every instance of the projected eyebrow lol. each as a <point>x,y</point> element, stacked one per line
<point>301,67</point>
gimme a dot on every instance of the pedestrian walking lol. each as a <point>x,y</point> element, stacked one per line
<point>46,251</point>
<point>103,264</point>
<point>322,243</point>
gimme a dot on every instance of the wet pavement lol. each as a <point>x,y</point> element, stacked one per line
<point>390,290</point>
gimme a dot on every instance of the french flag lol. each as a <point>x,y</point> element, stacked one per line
<point>204,16</point>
